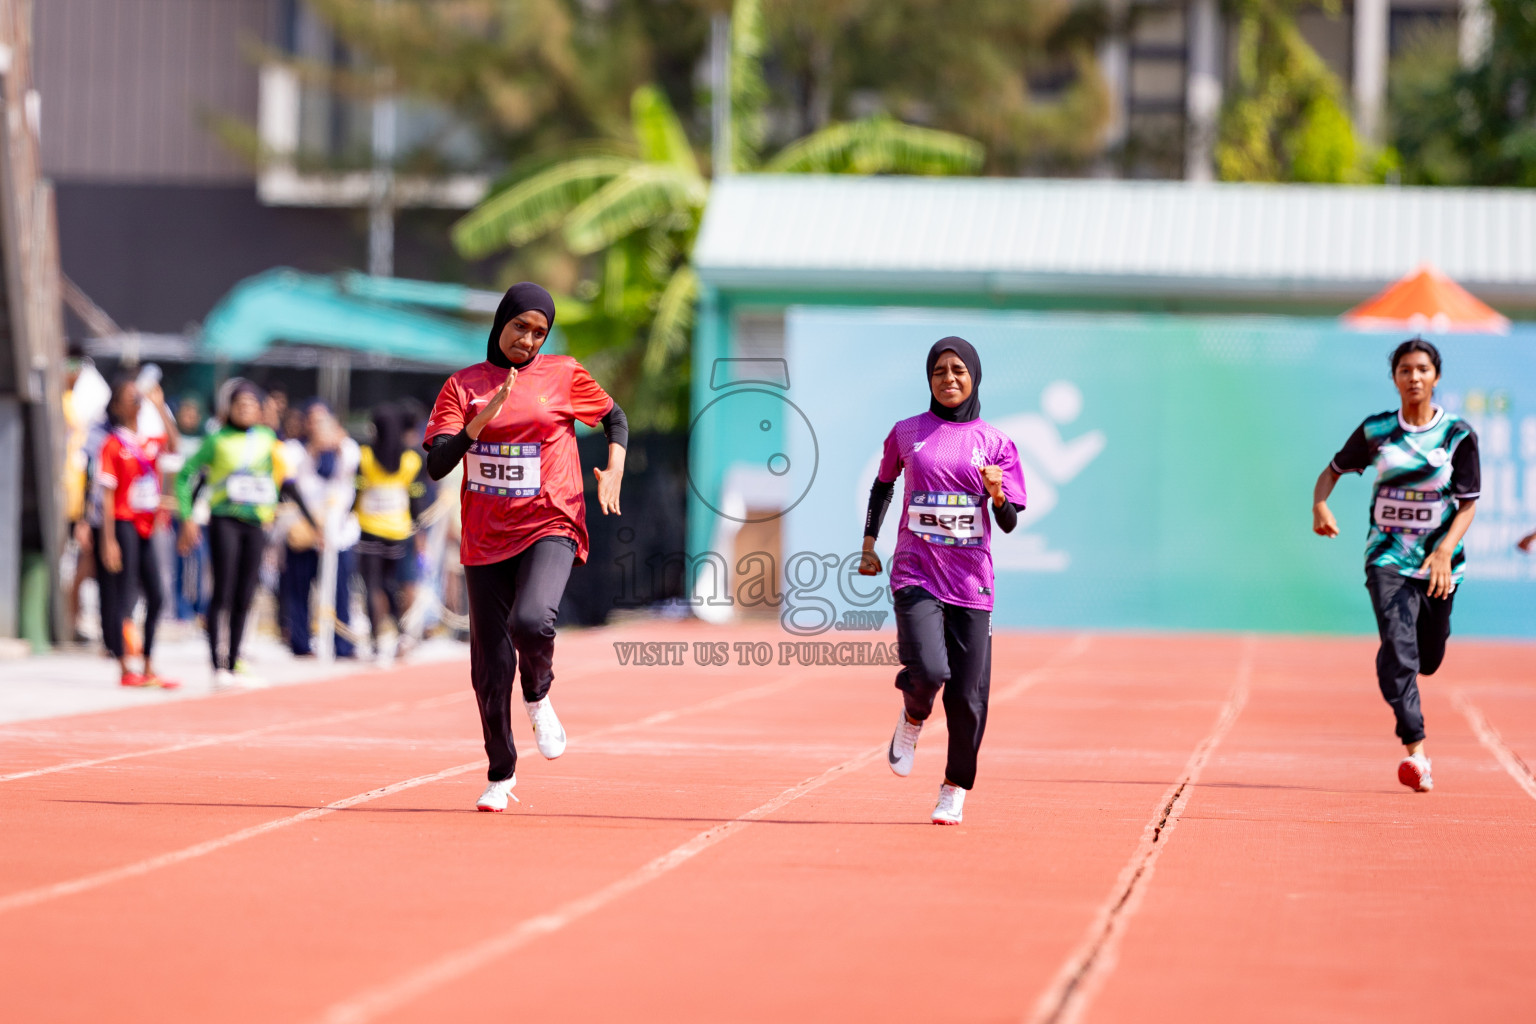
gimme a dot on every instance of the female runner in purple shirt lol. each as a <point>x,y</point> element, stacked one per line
<point>941,575</point>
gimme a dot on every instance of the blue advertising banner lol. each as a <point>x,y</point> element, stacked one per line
<point>1169,463</point>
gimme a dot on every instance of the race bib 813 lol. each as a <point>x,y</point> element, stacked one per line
<point>503,470</point>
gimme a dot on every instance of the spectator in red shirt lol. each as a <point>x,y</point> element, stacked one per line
<point>511,418</point>
<point>133,509</point>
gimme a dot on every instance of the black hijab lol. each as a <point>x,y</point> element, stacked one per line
<point>520,298</point>
<point>234,387</point>
<point>388,436</point>
<point>970,409</point>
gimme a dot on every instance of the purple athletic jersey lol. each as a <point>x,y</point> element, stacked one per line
<point>943,539</point>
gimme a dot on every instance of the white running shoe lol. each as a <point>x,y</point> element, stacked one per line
<point>950,806</point>
<point>495,796</point>
<point>386,647</point>
<point>246,679</point>
<point>1413,772</point>
<point>547,729</point>
<point>223,679</point>
<point>903,746</point>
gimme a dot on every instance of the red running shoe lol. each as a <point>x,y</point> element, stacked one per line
<point>162,682</point>
<point>134,679</point>
<point>1413,772</point>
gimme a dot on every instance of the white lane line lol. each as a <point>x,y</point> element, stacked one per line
<point>386,998</point>
<point>1085,971</point>
<point>32,897</point>
<point>452,966</point>
<point>1071,652</point>
<point>209,741</point>
<point>722,701</point>
<point>236,737</point>
<point>1489,737</point>
<point>42,894</point>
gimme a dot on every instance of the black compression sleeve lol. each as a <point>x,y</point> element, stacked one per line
<point>1006,514</point>
<point>291,492</point>
<point>445,452</point>
<point>879,501</point>
<point>616,426</point>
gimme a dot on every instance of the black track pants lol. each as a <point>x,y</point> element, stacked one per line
<point>946,647</point>
<point>512,608</point>
<point>235,547</point>
<point>1414,628</point>
<point>381,578</point>
<point>120,590</point>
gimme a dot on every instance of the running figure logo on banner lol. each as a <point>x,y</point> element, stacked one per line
<point>1050,462</point>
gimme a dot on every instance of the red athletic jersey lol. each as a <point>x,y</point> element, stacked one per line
<point>522,478</point>
<point>128,466</point>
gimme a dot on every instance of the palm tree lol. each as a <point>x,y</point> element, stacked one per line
<point>641,203</point>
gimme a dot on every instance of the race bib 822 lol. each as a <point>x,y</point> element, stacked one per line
<point>503,470</point>
<point>942,517</point>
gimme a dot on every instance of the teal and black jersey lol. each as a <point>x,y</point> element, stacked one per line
<point>1423,474</point>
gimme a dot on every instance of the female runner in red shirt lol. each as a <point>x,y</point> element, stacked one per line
<point>131,512</point>
<point>511,419</point>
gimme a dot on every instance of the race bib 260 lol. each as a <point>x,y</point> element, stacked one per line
<point>503,470</point>
<point>942,517</point>
<point>1399,511</point>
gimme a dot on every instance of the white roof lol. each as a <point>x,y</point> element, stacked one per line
<point>1009,235</point>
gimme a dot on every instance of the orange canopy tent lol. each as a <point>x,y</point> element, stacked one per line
<point>1426,300</point>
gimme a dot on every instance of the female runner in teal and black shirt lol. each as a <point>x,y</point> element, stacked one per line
<point>1428,478</point>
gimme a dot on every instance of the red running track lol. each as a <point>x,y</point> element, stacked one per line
<point>1181,828</point>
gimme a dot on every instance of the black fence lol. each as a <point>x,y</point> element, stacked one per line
<point>635,557</point>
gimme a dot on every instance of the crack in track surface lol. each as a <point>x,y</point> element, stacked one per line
<point>1084,972</point>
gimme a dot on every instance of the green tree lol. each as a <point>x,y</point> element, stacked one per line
<point>1285,118</point>
<point>634,206</point>
<point>1476,125</point>
<point>1018,75</point>
<point>523,76</point>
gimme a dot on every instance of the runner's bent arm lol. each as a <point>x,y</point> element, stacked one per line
<point>167,418</point>
<point>1356,455</point>
<point>616,426</point>
<point>291,493</point>
<point>1007,515</point>
<point>616,429</point>
<point>1004,511</point>
<point>1323,523</point>
<point>446,451</point>
<point>879,503</point>
<point>1439,560</point>
<point>107,478</point>
<point>185,477</point>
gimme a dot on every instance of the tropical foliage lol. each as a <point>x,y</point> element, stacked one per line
<point>1285,118</point>
<point>1003,86</point>
<point>1017,75</point>
<point>1469,125</point>
<point>635,207</point>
